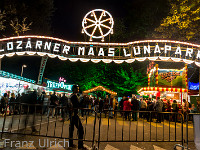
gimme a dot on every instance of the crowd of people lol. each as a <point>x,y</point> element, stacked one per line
<point>108,104</point>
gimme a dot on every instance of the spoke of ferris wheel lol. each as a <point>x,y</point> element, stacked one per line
<point>90,20</point>
<point>105,26</point>
<point>89,26</point>
<point>94,30</point>
<point>95,17</point>
<point>101,16</point>
<point>105,20</point>
<point>100,31</point>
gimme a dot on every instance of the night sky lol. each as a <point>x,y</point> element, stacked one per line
<point>66,24</point>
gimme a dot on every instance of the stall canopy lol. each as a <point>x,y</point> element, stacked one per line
<point>100,88</point>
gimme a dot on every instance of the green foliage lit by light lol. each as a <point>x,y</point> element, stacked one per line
<point>182,23</point>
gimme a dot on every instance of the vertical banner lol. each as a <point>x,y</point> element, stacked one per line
<point>42,67</point>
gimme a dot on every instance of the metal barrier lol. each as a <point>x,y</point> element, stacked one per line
<point>144,129</point>
<point>189,130</point>
<point>108,125</point>
<point>31,119</point>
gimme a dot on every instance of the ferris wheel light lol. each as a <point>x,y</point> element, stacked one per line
<point>97,23</point>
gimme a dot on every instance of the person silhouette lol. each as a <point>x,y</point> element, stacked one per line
<point>75,120</point>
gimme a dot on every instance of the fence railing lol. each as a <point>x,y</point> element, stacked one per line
<point>99,127</point>
<point>151,127</point>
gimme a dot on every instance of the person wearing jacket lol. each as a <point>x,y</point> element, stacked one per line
<point>159,106</point>
<point>4,103</point>
<point>135,107</point>
<point>127,107</point>
<point>75,120</point>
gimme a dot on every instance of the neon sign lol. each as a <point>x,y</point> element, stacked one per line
<point>61,80</point>
<point>193,86</point>
<point>154,50</point>
<point>62,85</point>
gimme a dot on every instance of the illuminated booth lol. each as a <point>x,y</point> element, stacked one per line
<point>11,83</point>
<point>168,84</point>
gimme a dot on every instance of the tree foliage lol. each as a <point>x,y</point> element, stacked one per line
<point>125,79</point>
<point>182,23</point>
<point>25,17</point>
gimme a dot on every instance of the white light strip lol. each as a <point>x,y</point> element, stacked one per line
<point>176,59</point>
<point>84,60</point>
<point>118,61</point>
<point>95,60</point>
<point>73,59</point>
<point>107,60</point>
<point>188,61</point>
<point>30,53</point>
<point>130,60</point>
<point>52,55</point>
<point>41,53</point>
<point>62,58</point>
<point>152,58</point>
<point>1,56</point>
<point>140,58</point>
<point>164,58</point>
<point>10,54</point>
<point>20,53</point>
<point>198,64</point>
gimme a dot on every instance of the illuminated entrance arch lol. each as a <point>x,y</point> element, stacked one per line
<point>155,50</point>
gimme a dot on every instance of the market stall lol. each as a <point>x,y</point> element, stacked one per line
<point>11,83</point>
<point>169,84</point>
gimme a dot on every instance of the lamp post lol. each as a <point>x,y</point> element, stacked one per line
<point>23,66</point>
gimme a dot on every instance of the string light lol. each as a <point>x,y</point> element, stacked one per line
<point>84,60</point>
<point>20,53</point>
<point>30,52</point>
<point>73,59</point>
<point>41,53</point>
<point>10,54</point>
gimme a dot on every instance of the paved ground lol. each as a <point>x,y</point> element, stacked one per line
<point>116,129</point>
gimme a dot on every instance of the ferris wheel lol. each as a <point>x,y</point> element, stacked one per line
<point>97,24</point>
